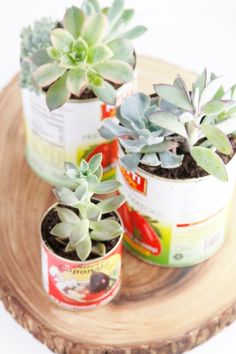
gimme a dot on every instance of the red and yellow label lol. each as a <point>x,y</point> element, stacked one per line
<point>135,181</point>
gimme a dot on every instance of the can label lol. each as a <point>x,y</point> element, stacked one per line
<point>69,133</point>
<point>174,223</point>
<point>77,285</point>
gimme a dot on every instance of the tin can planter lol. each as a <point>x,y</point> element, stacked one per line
<point>78,285</point>
<point>175,223</point>
<point>69,133</point>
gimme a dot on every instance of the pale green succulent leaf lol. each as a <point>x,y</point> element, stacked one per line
<point>180,84</point>
<point>99,249</point>
<point>227,126</point>
<point>79,232</point>
<point>62,40</point>
<point>105,230</point>
<point>73,21</point>
<point>220,141</point>
<point>115,71</point>
<point>135,32</point>
<point>210,90</point>
<point>95,162</point>
<point>93,212</point>
<point>111,204</point>
<point>161,147</point>
<point>81,192</point>
<point>98,173</point>
<point>214,107</point>
<point>122,49</point>
<point>173,95</point>
<point>132,146</point>
<point>46,74</point>
<point>106,187</point>
<point>58,94</point>
<point>65,196</point>
<point>95,29</point>
<point>53,53</point>
<point>83,248</point>
<point>76,81</point>
<point>209,161</point>
<point>62,230</point>
<point>130,161</point>
<point>201,81</point>
<point>170,160</point>
<point>99,54</point>
<point>110,129</point>
<point>105,92</point>
<point>87,7</point>
<point>41,57</point>
<point>67,216</point>
<point>169,121</point>
<point>115,12</point>
<point>150,159</point>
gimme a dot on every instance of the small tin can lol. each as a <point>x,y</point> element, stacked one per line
<point>69,133</point>
<point>175,223</point>
<point>77,285</point>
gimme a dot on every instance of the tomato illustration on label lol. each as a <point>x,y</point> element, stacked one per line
<point>109,152</point>
<point>124,213</point>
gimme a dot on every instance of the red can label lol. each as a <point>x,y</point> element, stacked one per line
<point>77,285</point>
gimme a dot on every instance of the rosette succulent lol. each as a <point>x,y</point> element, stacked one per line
<point>89,52</point>
<point>85,223</point>
<point>34,40</point>
<point>178,122</point>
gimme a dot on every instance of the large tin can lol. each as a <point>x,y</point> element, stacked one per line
<point>79,285</point>
<point>175,223</point>
<point>69,133</point>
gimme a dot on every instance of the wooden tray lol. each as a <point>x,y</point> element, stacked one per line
<point>161,311</point>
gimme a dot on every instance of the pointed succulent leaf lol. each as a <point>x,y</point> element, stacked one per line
<point>105,92</point>
<point>170,160</point>
<point>169,121</point>
<point>179,83</point>
<point>150,160</point>
<point>209,161</point>
<point>134,107</point>
<point>214,107</point>
<point>131,161</point>
<point>67,62</point>
<point>69,248</point>
<point>135,32</point>
<point>62,40</point>
<point>105,230</point>
<point>93,212</point>
<point>88,7</point>
<point>95,29</point>
<point>99,54</point>
<point>132,146</point>
<point>92,179</point>
<point>111,204</point>
<point>73,21</point>
<point>65,196</point>
<point>115,12</point>
<point>106,187</point>
<point>220,141</point>
<point>201,82</point>
<point>83,248</point>
<point>210,90</point>
<point>79,232</point>
<point>115,71</point>
<point>71,170</point>
<point>98,173</point>
<point>110,129</point>
<point>67,216</point>
<point>62,230</point>
<point>57,94</point>
<point>82,192</point>
<point>76,81</point>
<point>95,162</point>
<point>99,249</point>
<point>46,74</point>
<point>173,95</point>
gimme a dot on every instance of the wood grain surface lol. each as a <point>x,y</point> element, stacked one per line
<point>163,311</point>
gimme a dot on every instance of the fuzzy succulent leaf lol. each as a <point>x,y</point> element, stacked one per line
<point>95,29</point>
<point>115,12</point>
<point>105,92</point>
<point>65,196</point>
<point>169,121</point>
<point>46,74</point>
<point>150,159</point>
<point>57,94</point>
<point>76,81</point>
<point>210,162</point>
<point>170,160</point>
<point>115,71</point>
<point>131,161</point>
<point>173,95</point>
<point>210,90</point>
<point>111,204</point>
<point>214,107</point>
<point>219,140</point>
<point>134,32</point>
<point>106,187</point>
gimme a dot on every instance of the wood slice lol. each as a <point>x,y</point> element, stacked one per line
<point>163,311</point>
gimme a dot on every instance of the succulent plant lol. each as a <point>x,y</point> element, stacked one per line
<point>84,55</point>
<point>85,231</point>
<point>177,123</point>
<point>34,40</point>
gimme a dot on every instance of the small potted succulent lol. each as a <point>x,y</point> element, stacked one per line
<point>178,169</point>
<point>81,68</point>
<point>81,239</point>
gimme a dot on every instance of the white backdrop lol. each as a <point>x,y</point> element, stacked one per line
<point>193,34</point>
